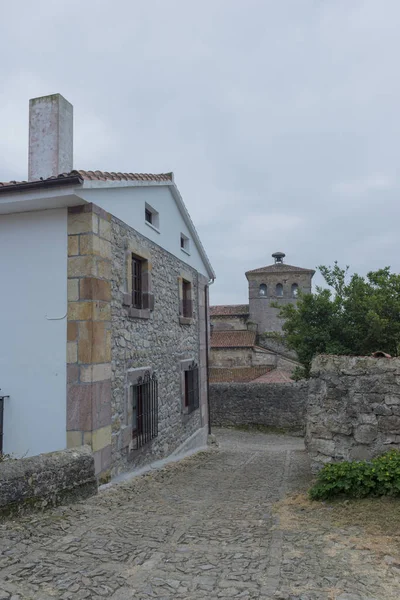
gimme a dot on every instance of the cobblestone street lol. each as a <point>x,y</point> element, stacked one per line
<point>207,527</point>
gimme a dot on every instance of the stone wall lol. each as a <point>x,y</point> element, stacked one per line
<point>353,408</point>
<point>280,405</point>
<point>229,323</point>
<point>231,357</point>
<point>158,339</point>
<point>47,479</point>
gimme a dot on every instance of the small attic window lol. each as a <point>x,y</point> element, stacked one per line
<point>185,243</point>
<point>151,217</point>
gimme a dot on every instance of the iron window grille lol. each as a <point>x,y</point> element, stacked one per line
<point>2,398</point>
<point>192,388</point>
<point>144,410</point>
<point>137,290</point>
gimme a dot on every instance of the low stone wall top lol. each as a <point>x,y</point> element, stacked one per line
<point>353,410</point>
<point>277,405</point>
<point>47,479</point>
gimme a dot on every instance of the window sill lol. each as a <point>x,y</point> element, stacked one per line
<point>187,414</point>
<point>152,226</point>
<point>185,320</point>
<point>185,251</point>
<point>139,313</point>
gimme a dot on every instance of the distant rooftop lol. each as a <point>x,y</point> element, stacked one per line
<point>233,339</point>
<point>229,310</point>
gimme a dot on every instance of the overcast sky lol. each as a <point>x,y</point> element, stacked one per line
<point>279,118</point>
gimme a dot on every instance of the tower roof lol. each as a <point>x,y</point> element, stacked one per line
<point>280,267</point>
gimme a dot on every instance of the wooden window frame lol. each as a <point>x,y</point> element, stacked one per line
<point>152,217</point>
<point>138,297</point>
<point>187,308</point>
<point>187,366</point>
<point>185,301</point>
<point>185,243</point>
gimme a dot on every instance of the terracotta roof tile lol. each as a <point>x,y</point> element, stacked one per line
<point>229,310</point>
<point>233,339</point>
<point>102,176</point>
<point>280,268</point>
<point>275,376</point>
<point>236,374</point>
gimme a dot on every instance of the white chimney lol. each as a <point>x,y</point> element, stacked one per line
<point>50,136</point>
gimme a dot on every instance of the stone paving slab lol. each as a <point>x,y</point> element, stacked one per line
<point>202,528</point>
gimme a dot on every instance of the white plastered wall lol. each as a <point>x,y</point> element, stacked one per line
<point>33,306</point>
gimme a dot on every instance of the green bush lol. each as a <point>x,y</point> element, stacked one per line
<point>378,477</point>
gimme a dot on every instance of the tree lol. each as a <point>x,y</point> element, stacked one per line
<point>355,316</point>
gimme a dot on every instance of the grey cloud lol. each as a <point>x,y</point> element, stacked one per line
<point>279,119</point>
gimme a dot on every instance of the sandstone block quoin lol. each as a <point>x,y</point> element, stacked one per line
<point>353,408</point>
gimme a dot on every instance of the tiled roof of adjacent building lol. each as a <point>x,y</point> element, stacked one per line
<point>274,376</point>
<point>236,374</point>
<point>229,310</point>
<point>280,268</point>
<point>101,176</point>
<point>233,339</point>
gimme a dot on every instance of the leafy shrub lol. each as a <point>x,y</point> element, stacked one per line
<point>299,373</point>
<point>378,477</point>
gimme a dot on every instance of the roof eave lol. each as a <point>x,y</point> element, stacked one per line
<point>28,198</point>
<point>41,184</point>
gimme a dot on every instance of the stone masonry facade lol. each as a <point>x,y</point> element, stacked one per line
<point>353,408</point>
<point>89,333</point>
<point>110,343</point>
<point>157,339</point>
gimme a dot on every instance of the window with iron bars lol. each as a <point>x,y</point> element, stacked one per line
<point>144,398</point>
<point>191,398</point>
<point>137,291</point>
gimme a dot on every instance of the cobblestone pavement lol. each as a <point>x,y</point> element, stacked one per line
<point>207,527</point>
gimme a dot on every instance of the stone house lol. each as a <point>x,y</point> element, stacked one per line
<point>244,342</point>
<point>104,308</point>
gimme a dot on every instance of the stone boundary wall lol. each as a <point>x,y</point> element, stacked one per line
<point>277,405</point>
<point>47,479</point>
<point>353,410</point>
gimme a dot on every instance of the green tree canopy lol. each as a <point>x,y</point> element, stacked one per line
<point>354,315</point>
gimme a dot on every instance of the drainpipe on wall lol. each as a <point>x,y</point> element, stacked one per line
<point>206,302</point>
